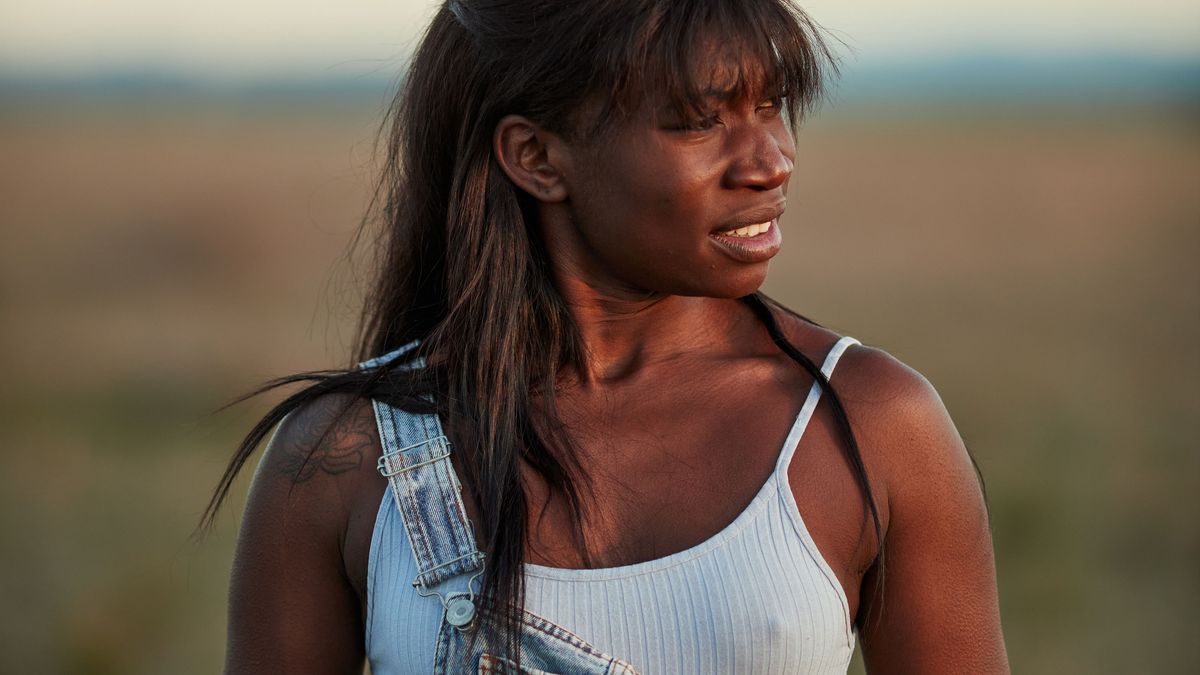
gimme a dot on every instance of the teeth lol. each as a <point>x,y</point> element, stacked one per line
<point>749,230</point>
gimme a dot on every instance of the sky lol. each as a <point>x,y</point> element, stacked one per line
<point>256,38</point>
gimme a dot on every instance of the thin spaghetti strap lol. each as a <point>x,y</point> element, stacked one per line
<point>810,404</point>
<point>835,354</point>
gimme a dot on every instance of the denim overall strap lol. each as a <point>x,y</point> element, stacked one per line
<point>416,462</point>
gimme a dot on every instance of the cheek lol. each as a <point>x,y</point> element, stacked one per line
<point>651,215</point>
<point>668,197</point>
<point>644,219</point>
<point>644,196</point>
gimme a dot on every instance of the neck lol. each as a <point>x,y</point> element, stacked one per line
<point>625,335</point>
<point>626,332</point>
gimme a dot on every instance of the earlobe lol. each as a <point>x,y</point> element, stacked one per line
<point>527,154</point>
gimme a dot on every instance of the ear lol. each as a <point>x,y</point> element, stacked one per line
<point>529,156</point>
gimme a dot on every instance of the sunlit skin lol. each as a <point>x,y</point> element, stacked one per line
<point>679,413</point>
<point>637,212</point>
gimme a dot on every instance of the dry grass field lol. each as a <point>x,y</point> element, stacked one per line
<point>159,258</point>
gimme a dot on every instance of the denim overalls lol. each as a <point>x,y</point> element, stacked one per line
<point>416,463</point>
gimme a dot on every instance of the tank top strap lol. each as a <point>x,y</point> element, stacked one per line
<point>810,404</point>
<point>416,463</point>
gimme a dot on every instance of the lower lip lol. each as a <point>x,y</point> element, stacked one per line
<point>757,249</point>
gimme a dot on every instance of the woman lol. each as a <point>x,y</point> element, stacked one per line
<point>599,438</point>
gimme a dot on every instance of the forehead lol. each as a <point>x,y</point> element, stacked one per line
<point>725,70</point>
<point>713,70</point>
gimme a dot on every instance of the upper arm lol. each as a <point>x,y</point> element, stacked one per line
<point>291,605</point>
<point>938,610</point>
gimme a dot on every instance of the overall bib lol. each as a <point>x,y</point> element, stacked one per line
<point>416,463</point>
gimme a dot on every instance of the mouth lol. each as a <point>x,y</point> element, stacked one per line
<point>752,243</point>
<point>752,230</point>
<point>752,222</point>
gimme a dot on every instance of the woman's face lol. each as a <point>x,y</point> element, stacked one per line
<point>665,205</point>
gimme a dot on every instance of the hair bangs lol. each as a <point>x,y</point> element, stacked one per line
<point>688,52</point>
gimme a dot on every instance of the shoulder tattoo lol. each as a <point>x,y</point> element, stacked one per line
<point>332,440</point>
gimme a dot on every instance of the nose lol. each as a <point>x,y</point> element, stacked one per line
<point>764,155</point>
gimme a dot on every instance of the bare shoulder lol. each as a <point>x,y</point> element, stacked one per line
<point>330,436</point>
<point>909,442</point>
<point>868,378</point>
<point>316,461</point>
<point>907,433</point>
<point>295,599</point>
<point>890,397</point>
<point>938,612</point>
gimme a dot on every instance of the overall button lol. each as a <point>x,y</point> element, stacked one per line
<point>460,611</point>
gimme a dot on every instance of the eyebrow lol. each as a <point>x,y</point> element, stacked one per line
<point>712,92</point>
<point>734,91</point>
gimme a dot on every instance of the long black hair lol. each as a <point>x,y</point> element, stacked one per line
<point>461,268</point>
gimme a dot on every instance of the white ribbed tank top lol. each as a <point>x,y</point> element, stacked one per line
<point>757,597</point>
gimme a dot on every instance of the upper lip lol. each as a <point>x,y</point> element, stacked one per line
<point>754,216</point>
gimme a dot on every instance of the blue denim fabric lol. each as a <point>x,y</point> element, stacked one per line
<point>545,648</point>
<point>416,462</point>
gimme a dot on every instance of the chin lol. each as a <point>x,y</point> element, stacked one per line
<point>729,287</point>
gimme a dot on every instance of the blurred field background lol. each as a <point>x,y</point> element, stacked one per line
<point>1030,247</point>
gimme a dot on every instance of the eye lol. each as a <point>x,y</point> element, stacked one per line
<point>695,124</point>
<point>771,106</point>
